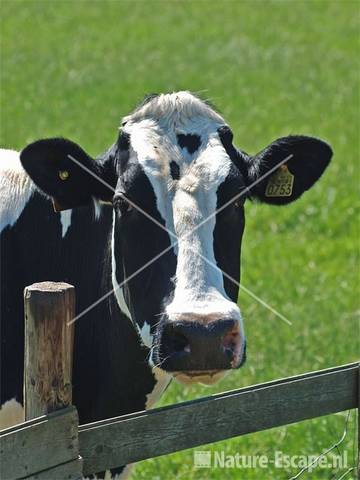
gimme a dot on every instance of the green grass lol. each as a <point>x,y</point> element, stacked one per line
<point>272,68</point>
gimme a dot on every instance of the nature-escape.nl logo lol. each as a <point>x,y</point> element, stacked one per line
<point>219,459</point>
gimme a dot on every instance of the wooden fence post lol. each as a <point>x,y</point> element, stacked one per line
<point>49,338</point>
<point>49,306</point>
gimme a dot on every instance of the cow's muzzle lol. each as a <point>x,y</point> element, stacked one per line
<point>198,349</point>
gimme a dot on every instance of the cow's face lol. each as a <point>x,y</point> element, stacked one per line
<point>173,165</point>
<point>176,233</point>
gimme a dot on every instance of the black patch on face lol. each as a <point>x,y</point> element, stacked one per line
<point>174,170</point>
<point>190,141</point>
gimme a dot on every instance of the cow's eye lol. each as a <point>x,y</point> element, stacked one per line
<point>121,204</point>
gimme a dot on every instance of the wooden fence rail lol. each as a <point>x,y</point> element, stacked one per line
<point>53,446</point>
<point>43,448</point>
<point>161,431</point>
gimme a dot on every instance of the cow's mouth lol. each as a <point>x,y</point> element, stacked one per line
<point>203,377</point>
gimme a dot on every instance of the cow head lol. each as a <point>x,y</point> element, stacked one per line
<point>171,177</point>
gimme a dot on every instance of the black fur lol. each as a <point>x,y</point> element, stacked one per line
<point>190,141</point>
<point>174,170</point>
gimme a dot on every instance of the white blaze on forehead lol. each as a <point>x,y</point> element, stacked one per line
<point>199,286</point>
<point>186,202</point>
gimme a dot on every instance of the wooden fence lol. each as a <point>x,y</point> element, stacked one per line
<point>53,445</point>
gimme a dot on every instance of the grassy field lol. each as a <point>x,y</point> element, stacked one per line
<point>272,68</point>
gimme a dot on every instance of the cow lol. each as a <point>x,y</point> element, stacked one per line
<point>150,234</point>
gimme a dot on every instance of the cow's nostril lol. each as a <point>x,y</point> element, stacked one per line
<point>180,343</point>
<point>229,352</point>
<point>231,339</point>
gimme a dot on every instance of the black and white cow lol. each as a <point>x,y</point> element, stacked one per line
<point>158,188</point>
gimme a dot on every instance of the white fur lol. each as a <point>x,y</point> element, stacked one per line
<point>65,219</point>
<point>11,413</point>
<point>145,334</point>
<point>185,203</point>
<point>16,188</point>
<point>162,381</point>
<point>119,293</point>
<point>97,208</point>
<point>175,107</point>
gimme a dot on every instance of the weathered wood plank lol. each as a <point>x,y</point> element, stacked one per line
<point>135,437</point>
<point>49,306</point>
<point>39,444</point>
<point>66,471</point>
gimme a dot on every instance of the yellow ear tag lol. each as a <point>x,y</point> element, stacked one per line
<point>280,183</point>
<point>64,174</point>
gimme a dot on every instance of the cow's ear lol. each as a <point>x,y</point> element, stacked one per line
<point>290,166</point>
<point>62,170</point>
